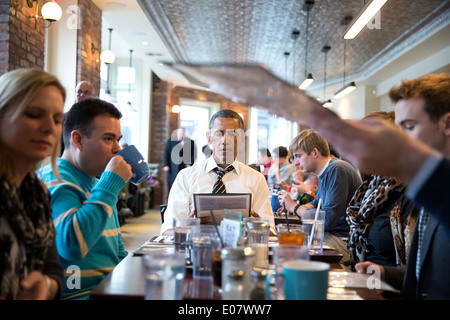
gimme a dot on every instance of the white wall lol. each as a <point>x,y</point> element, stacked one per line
<point>61,50</point>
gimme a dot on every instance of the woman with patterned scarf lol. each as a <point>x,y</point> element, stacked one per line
<point>381,222</point>
<point>31,115</point>
<point>381,218</point>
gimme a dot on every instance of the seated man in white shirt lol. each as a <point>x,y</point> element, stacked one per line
<point>227,139</point>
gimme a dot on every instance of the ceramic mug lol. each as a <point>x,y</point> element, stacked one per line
<point>303,280</point>
<point>138,165</point>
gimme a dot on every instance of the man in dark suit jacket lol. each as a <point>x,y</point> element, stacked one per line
<point>423,111</point>
<point>179,153</point>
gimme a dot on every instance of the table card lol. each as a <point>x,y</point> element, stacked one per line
<point>231,228</point>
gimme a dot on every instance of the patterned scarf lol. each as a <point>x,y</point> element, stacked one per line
<point>26,232</point>
<point>362,210</point>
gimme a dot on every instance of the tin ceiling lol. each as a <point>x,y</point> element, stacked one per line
<point>261,31</point>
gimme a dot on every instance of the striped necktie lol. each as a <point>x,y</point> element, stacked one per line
<point>219,187</point>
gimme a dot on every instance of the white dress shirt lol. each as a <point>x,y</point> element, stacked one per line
<point>200,178</point>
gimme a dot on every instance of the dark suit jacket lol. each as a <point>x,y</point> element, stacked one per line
<point>176,158</point>
<point>435,193</point>
<point>434,277</point>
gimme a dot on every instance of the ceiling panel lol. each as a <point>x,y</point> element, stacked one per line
<point>260,31</point>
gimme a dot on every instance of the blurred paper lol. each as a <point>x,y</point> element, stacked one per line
<point>357,280</point>
<point>253,85</point>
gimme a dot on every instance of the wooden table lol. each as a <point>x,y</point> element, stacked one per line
<point>126,282</point>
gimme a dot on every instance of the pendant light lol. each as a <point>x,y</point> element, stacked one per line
<point>108,57</point>
<point>347,88</point>
<point>326,103</point>
<point>129,80</point>
<point>366,15</point>
<point>309,78</point>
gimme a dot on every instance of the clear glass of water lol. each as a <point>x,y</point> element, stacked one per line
<point>164,276</point>
<point>205,241</point>
<point>314,229</point>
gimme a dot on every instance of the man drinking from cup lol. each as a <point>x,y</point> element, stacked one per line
<point>84,206</point>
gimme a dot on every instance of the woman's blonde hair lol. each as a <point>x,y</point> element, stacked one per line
<point>17,89</point>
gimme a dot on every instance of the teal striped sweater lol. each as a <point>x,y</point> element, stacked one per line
<point>87,227</point>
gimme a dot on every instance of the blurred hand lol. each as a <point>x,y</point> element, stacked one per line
<point>254,214</point>
<point>284,185</point>
<point>119,166</point>
<point>369,151</point>
<point>362,267</point>
<point>301,188</point>
<point>191,214</point>
<point>34,287</point>
<point>166,169</point>
<point>286,201</point>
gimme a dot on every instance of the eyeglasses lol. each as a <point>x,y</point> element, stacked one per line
<point>83,92</point>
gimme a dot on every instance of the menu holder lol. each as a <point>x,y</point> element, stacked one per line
<point>205,203</point>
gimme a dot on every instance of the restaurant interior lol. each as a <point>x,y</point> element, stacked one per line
<point>292,39</point>
<point>125,48</point>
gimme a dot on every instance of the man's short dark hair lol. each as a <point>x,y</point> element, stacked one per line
<point>81,115</point>
<point>227,113</point>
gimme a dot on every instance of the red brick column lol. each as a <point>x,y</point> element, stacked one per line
<point>159,133</point>
<point>90,32</point>
<point>22,37</point>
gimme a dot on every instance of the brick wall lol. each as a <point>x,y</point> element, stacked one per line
<point>159,132</point>
<point>164,122</point>
<point>88,63</point>
<point>22,37</point>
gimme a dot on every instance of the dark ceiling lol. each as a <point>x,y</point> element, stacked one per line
<point>260,31</point>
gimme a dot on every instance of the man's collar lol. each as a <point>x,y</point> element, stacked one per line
<point>211,164</point>
<point>324,167</point>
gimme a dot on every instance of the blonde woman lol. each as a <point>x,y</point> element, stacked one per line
<point>31,115</point>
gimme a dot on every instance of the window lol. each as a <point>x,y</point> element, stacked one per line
<point>194,117</point>
<point>268,131</point>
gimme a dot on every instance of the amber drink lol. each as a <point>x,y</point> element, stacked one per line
<point>292,234</point>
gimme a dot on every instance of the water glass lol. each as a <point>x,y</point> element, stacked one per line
<point>205,241</point>
<point>282,254</point>
<point>164,276</point>
<point>314,229</point>
<point>182,228</point>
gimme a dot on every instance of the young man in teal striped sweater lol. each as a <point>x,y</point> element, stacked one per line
<point>84,206</point>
